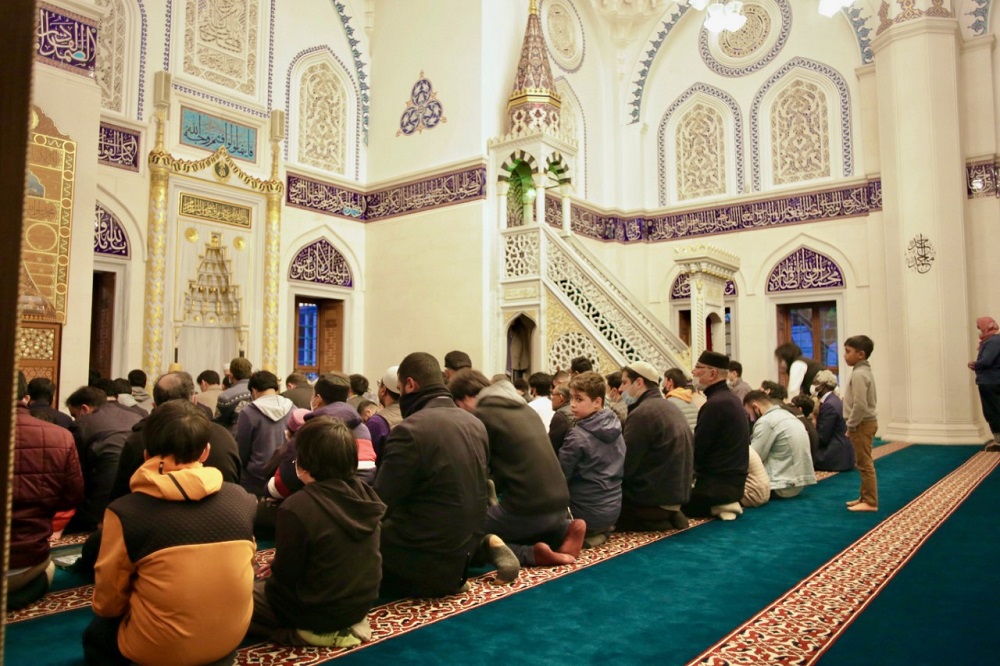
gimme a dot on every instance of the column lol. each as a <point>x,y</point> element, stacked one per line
<point>272,247</point>
<point>708,268</point>
<point>503,187</point>
<point>539,180</point>
<point>922,360</point>
<point>567,222</point>
<point>156,242</point>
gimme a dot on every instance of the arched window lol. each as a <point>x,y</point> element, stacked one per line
<point>800,133</point>
<point>322,118</point>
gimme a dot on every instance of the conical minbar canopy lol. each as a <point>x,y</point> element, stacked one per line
<point>534,103</point>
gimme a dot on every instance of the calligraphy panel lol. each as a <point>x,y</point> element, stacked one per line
<point>321,263</point>
<point>119,147</point>
<point>215,211</point>
<point>48,221</point>
<point>681,289</point>
<point>805,269</point>
<point>109,235</point>
<point>66,40</point>
<point>208,132</point>
<point>220,42</point>
<point>325,198</point>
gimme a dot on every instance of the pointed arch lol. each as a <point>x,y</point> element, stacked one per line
<point>336,241</point>
<point>853,274</point>
<point>723,104</point>
<point>128,222</point>
<point>110,237</point>
<point>805,269</point>
<point>320,262</point>
<point>334,67</point>
<point>824,78</point>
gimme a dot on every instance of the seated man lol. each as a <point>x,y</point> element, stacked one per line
<point>47,479</point>
<point>326,569</point>
<point>593,458</point>
<point>659,455</point>
<point>782,443</point>
<point>562,418</point>
<point>387,418</point>
<point>834,451</point>
<point>531,515</point>
<point>100,431</point>
<point>432,478</point>
<point>721,443</point>
<point>174,578</point>
<point>260,430</point>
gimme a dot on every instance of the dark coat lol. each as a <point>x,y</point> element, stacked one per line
<point>46,412</point>
<point>528,478</point>
<point>562,422</point>
<point>100,437</point>
<point>592,459</point>
<point>722,439</point>
<point>659,452</point>
<point>301,396</point>
<point>47,479</point>
<point>988,361</point>
<point>834,451</point>
<point>223,456</point>
<point>432,478</point>
<point>327,567</point>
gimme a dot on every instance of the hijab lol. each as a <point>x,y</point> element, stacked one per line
<point>987,327</point>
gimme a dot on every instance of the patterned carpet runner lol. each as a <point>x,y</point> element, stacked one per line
<point>800,626</point>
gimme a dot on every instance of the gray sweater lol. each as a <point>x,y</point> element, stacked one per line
<point>860,398</point>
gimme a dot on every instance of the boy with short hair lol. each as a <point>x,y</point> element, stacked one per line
<point>862,420</point>
<point>593,458</point>
<point>327,567</point>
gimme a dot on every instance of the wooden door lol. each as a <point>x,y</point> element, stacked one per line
<point>331,335</point>
<point>102,323</point>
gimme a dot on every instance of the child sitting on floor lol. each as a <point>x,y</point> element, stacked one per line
<point>593,458</point>
<point>327,568</point>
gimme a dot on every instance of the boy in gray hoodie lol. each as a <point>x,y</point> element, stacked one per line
<point>593,458</point>
<point>260,429</point>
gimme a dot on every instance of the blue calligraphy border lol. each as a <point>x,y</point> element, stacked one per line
<point>213,145</point>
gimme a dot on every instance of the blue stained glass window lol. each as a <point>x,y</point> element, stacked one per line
<point>308,329</point>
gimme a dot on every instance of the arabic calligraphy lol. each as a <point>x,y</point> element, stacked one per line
<point>109,235</point>
<point>681,289</point>
<point>66,40</point>
<point>445,190</point>
<point>208,132</point>
<point>118,147</point>
<point>321,262</point>
<point>805,269</point>
<point>920,254</point>
<point>215,211</point>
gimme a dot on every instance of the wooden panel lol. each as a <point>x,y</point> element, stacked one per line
<point>331,335</point>
<point>102,323</point>
<point>40,344</point>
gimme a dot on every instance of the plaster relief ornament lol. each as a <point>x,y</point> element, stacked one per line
<point>920,254</point>
<point>423,110</point>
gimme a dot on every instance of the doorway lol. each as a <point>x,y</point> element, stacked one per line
<point>519,335</point>
<point>102,323</point>
<point>813,327</point>
<point>319,335</point>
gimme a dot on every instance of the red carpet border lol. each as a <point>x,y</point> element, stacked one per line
<point>800,626</point>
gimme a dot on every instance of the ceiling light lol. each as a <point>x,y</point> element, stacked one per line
<point>829,8</point>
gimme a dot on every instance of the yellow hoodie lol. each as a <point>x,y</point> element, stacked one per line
<point>176,562</point>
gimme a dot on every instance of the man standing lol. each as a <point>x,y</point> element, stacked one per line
<point>721,443</point>
<point>174,578</point>
<point>383,421</point>
<point>432,478</point>
<point>659,456</point>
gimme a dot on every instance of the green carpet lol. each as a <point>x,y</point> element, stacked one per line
<point>942,608</point>
<point>665,602</point>
<point>669,601</point>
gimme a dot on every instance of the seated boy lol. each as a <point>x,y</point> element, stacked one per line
<point>327,568</point>
<point>593,458</point>
<point>174,577</point>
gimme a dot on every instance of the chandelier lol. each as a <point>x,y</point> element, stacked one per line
<point>726,15</point>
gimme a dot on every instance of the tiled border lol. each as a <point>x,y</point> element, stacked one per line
<point>840,590</point>
<point>359,65</point>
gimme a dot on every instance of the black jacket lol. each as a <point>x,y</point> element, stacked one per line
<point>722,436</point>
<point>659,452</point>
<point>432,478</point>
<point>327,567</point>
<point>525,469</point>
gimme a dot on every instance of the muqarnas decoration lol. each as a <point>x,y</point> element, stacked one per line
<point>423,110</point>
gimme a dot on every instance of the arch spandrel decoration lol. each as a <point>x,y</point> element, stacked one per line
<point>321,263</point>
<point>805,269</point>
<point>109,234</point>
<point>681,289</point>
